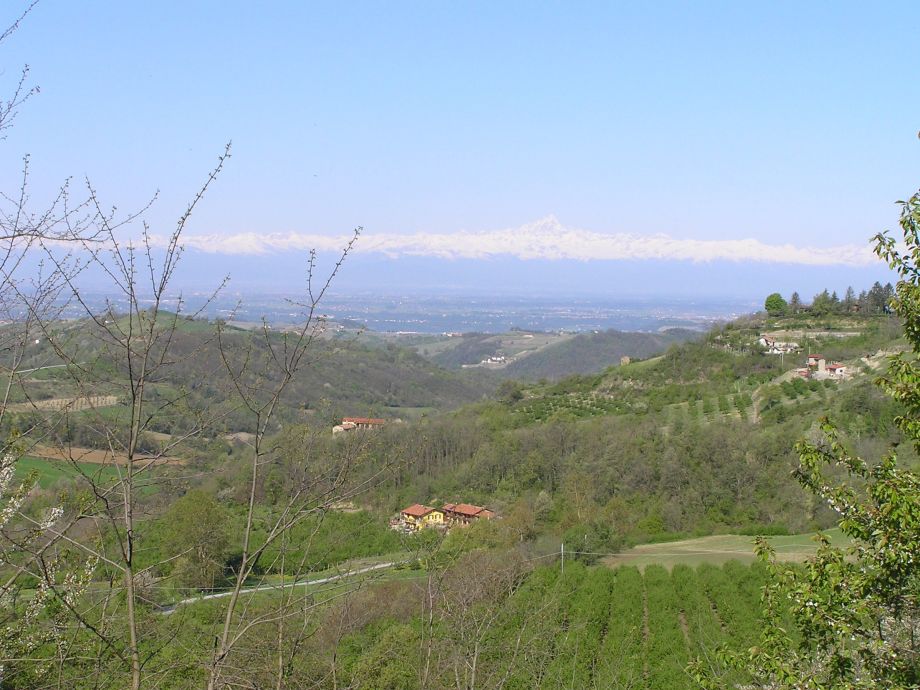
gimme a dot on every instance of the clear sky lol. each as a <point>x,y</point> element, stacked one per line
<point>709,123</point>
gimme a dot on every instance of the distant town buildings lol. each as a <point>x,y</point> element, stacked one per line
<point>493,361</point>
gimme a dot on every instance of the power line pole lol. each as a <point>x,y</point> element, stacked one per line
<point>561,558</point>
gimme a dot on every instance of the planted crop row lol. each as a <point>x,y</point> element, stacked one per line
<point>597,628</point>
<point>736,603</point>
<point>548,626</point>
<point>621,659</point>
<point>702,627</point>
<point>667,647</point>
<point>516,633</point>
<point>588,611</point>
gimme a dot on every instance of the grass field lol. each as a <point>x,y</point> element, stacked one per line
<point>51,471</point>
<point>719,549</point>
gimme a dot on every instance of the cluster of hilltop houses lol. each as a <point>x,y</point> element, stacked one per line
<point>419,516</point>
<point>816,367</point>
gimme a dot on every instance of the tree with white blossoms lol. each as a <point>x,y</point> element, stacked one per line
<point>32,619</point>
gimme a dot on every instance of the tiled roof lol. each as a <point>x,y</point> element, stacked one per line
<point>417,510</point>
<point>464,509</point>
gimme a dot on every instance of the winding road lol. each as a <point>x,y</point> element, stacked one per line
<point>167,610</point>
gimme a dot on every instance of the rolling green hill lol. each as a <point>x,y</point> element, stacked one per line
<point>589,353</point>
<point>534,355</point>
<point>343,377</point>
<point>696,441</point>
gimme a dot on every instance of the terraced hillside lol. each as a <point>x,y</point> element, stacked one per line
<point>724,375</point>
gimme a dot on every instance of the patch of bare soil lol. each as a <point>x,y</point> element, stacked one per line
<point>684,628</point>
<point>879,358</point>
<point>95,456</point>
<point>240,437</point>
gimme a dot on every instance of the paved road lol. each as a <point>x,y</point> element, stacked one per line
<point>50,366</point>
<point>265,588</point>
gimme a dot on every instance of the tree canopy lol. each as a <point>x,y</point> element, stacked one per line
<point>775,304</point>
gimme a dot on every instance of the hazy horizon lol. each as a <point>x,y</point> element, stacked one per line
<point>591,149</point>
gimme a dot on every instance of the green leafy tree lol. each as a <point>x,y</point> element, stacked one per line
<point>878,298</point>
<point>775,304</point>
<point>849,300</point>
<point>198,525</point>
<point>849,618</point>
<point>510,392</point>
<point>822,304</point>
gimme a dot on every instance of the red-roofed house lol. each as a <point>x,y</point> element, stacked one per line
<point>417,516</point>
<point>464,513</point>
<point>837,370</point>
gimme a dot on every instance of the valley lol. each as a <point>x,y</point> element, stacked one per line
<point>459,346</point>
<point>656,472</point>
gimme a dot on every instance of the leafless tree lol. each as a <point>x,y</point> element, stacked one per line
<point>30,293</point>
<point>261,368</point>
<point>124,350</point>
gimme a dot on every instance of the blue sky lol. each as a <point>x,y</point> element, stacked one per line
<point>789,125</point>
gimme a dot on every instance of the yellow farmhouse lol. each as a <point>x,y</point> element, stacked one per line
<point>418,516</point>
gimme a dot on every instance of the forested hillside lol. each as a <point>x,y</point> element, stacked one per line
<point>344,377</point>
<point>589,353</point>
<point>694,441</point>
<point>534,355</point>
